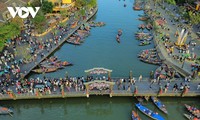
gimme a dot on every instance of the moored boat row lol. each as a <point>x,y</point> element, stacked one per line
<point>193,110</point>
<point>150,56</point>
<point>96,24</point>
<point>51,65</point>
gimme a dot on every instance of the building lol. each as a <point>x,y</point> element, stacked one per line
<point>4,13</point>
<point>61,4</point>
<point>197,5</point>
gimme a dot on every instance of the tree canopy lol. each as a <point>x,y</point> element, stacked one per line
<point>8,31</point>
<point>47,7</point>
<point>173,2</point>
<point>39,21</point>
<point>194,17</point>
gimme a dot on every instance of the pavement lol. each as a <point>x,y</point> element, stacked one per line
<point>173,26</point>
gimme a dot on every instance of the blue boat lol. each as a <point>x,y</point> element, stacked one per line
<point>149,113</point>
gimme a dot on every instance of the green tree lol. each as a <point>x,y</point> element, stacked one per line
<point>173,2</point>
<point>47,7</point>
<point>80,3</point>
<point>35,3</point>
<point>91,3</point>
<point>194,18</point>
<point>8,31</point>
<point>39,21</point>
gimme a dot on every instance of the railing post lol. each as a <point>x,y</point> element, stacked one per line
<point>37,93</point>
<point>63,92</point>
<point>160,90</point>
<point>185,91</point>
<point>136,90</point>
<point>87,93</point>
<point>131,74</point>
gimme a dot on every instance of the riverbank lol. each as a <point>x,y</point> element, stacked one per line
<point>18,67</point>
<point>62,41</point>
<point>182,66</point>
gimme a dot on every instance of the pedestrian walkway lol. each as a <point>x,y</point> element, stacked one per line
<point>122,87</point>
<point>184,68</point>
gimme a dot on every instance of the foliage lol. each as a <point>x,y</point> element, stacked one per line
<point>194,17</point>
<point>80,3</point>
<point>86,3</point>
<point>8,31</point>
<point>91,3</point>
<point>35,3</point>
<point>39,21</point>
<point>173,2</point>
<point>64,13</point>
<point>47,7</point>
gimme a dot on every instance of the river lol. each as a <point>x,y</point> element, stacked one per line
<point>100,49</point>
<point>93,108</point>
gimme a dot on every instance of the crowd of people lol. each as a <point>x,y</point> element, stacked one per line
<point>12,60</point>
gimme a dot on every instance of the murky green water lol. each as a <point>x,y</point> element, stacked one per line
<point>94,108</point>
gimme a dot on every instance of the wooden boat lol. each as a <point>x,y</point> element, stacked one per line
<point>51,59</point>
<point>135,116</point>
<point>5,111</point>
<point>149,27</point>
<point>144,43</point>
<point>151,61</point>
<point>141,26</point>
<point>137,8</point>
<point>65,63</point>
<point>149,112</point>
<point>161,106</point>
<point>191,117</point>
<point>118,40</point>
<point>83,33</point>
<point>143,18</point>
<point>119,32</point>
<point>45,70</point>
<point>96,24</point>
<point>74,41</point>
<point>193,110</point>
<point>60,65</point>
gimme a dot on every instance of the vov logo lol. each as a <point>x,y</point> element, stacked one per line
<point>20,10</point>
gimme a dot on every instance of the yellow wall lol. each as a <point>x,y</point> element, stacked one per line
<point>66,1</point>
<point>197,7</point>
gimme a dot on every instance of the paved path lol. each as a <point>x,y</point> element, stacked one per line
<point>183,68</point>
<point>143,90</point>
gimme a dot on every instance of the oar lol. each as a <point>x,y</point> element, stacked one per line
<point>10,114</point>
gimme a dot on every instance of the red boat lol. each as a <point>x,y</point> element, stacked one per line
<point>135,116</point>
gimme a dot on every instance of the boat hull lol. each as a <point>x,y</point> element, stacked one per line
<point>149,113</point>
